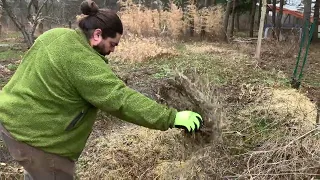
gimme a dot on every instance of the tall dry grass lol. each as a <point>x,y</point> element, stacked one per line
<point>138,49</point>
<point>150,33</point>
<point>173,23</point>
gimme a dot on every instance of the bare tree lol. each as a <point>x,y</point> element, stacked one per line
<point>306,15</point>
<point>33,17</point>
<point>316,21</point>
<point>237,20</point>
<point>233,15</point>
<point>226,20</point>
<point>258,48</point>
<point>259,13</point>
<point>274,14</point>
<point>1,11</point>
<point>278,23</point>
<point>252,15</point>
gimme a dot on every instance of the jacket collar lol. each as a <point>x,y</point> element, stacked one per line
<point>86,42</point>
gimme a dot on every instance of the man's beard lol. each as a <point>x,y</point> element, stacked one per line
<point>100,48</point>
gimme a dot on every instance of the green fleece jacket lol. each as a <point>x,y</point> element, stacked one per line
<point>52,100</point>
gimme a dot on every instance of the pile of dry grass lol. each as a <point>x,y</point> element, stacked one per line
<point>270,138</point>
<point>285,103</point>
<point>279,130</point>
<point>265,134</point>
<point>137,49</point>
<point>132,153</point>
<point>274,137</point>
<point>173,23</point>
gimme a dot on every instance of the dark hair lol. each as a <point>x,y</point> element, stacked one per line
<point>106,20</point>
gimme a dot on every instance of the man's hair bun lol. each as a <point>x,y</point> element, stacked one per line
<point>89,7</point>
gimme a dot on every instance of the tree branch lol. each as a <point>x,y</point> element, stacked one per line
<point>17,23</point>
<point>13,17</point>
<point>36,19</point>
<point>303,136</point>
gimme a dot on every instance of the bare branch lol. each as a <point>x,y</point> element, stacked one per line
<point>302,136</point>
<point>36,19</point>
<point>13,17</point>
<point>17,23</point>
<point>279,174</point>
<point>29,16</point>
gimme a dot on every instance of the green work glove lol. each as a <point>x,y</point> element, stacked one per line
<point>188,120</point>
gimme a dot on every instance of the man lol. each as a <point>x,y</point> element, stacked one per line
<point>49,106</point>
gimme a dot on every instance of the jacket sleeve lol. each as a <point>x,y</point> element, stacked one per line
<point>96,83</point>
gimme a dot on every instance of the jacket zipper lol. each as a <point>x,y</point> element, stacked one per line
<point>76,120</point>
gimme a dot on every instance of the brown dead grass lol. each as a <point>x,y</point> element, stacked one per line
<point>267,133</point>
<point>214,48</point>
<point>136,49</point>
<point>269,139</point>
<point>132,153</point>
<point>286,103</point>
<point>173,23</point>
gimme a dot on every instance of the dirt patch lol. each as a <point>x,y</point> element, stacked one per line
<point>9,169</point>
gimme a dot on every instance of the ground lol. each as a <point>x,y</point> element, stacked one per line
<point>254,119</point>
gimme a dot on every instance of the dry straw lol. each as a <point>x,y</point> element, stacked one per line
<point>173,23</point>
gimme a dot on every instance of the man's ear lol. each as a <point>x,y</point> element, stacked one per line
<point>96,37</point>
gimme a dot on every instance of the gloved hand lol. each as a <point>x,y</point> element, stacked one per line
<point>188,120</point>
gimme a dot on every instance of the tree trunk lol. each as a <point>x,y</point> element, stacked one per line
<point>233,18</point>
<point>258,48</point>
<point>28,35</point>
<point>316,21</point>
<point>47,10</point>
<point>226,20</point>
<point>306,14</point>
<point>259,12</point>
<point>22,13</point>
<point>214,2</point>
<point>237,23</point>
<point>279,23</point>
<point>35,5</point>
<point>274,14</point>
<point>208,3</point>
<point>203,26</point>
<point>17,23</point>
<point>190,16</point>
<point>40,28</point>
<point>191,25</point>
<point>318,114</point>
<point>252,14</point>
